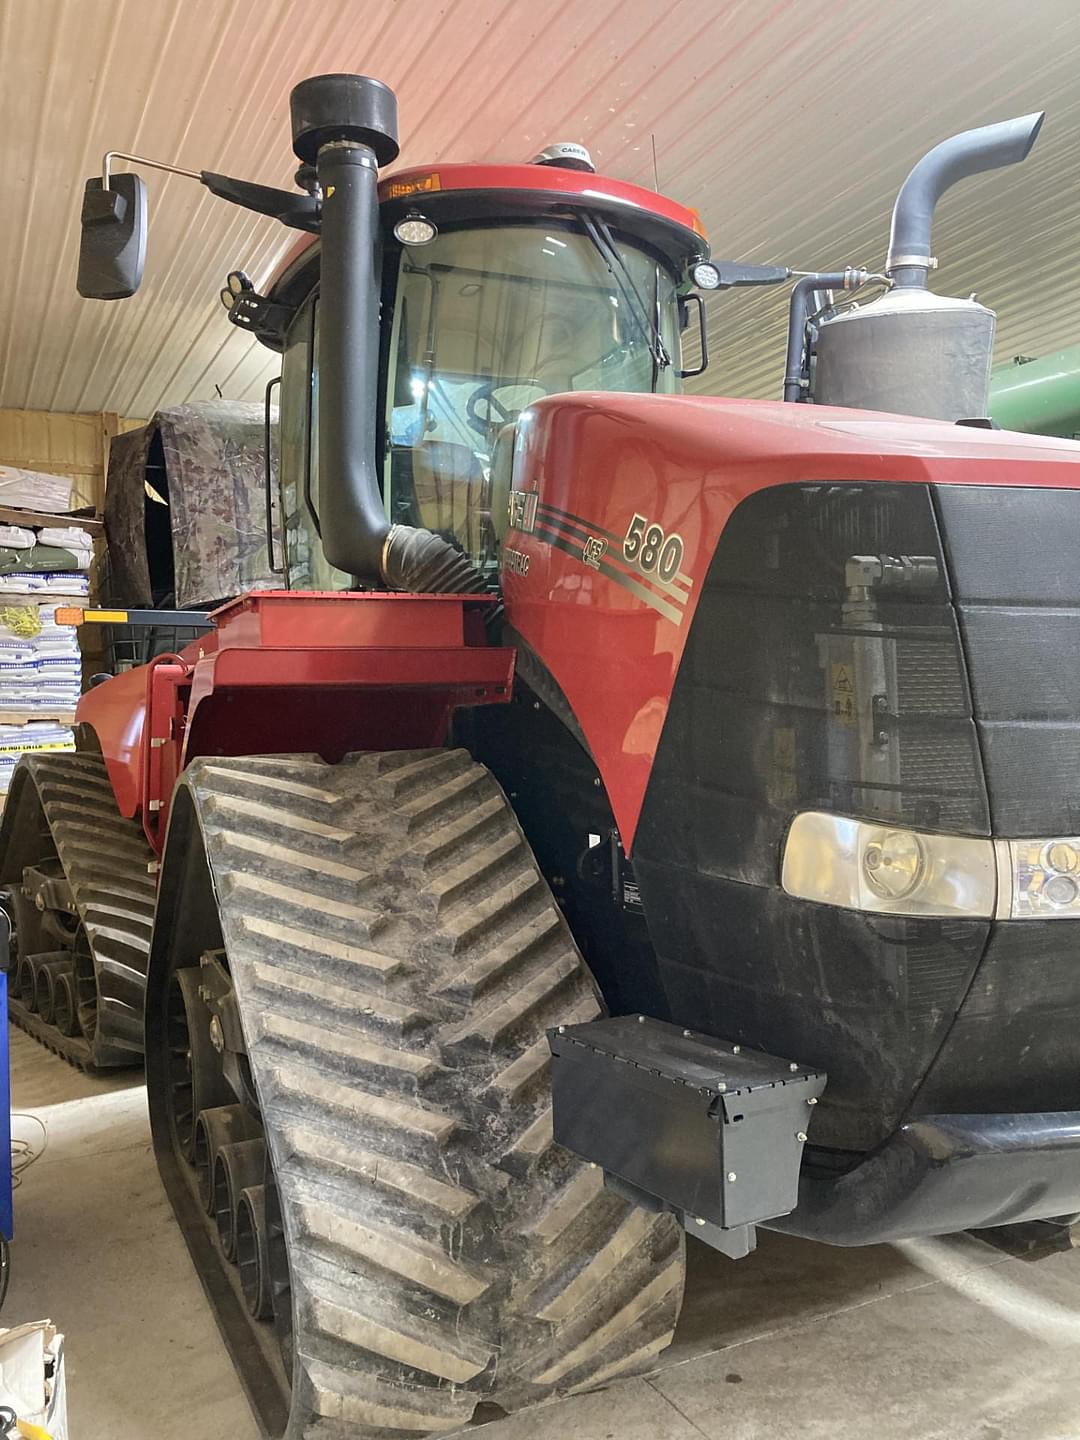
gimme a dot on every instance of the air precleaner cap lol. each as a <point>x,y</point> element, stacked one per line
<point>344,107</point>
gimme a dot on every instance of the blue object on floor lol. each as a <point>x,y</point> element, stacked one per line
<point>7,1220</point>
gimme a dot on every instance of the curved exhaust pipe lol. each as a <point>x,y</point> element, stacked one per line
<point>970,153</point>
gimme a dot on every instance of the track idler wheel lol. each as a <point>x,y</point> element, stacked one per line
<point>45,968</point>
<point>215,1129</point>
<point>22,987</point>
<point>86,996</point>
<point>252,1252</point>
<point>65,1002</point>
<point>195,1072</point>
<point>237,1167</point>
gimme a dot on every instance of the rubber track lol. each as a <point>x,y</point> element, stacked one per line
<point>105,858</point>
<point>397,958</point>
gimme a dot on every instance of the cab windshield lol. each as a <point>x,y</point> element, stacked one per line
<point>488,320</point>
<point>485,320</point>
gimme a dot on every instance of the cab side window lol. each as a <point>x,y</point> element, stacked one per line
<point>308,568</point>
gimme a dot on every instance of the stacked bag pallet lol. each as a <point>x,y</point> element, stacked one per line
<point>40,663</point>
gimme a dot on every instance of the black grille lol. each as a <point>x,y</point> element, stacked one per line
<point>973,655</point>
<point>756,732</point>
<point>1013,555</point>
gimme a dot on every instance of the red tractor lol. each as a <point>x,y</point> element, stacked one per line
<point>748,724</point>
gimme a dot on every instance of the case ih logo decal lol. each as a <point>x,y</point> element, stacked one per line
<point>593,551</point>
<point>521,510</point>
<point>645,561</point>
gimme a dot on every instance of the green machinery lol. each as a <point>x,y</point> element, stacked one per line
<point>1040,397</point>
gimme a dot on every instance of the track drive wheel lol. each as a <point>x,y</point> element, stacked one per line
<point>394,958</point>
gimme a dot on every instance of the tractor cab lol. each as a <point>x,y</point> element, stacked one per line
<point>500,285</point>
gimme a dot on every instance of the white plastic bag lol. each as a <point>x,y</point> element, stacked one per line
<point>32,1376</point>
<point>34,490</point>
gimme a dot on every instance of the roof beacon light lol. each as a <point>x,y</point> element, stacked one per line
<point>566,155</point>
<point>415,230</point>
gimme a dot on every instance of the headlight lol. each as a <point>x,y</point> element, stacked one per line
<point>1041,879</point>
<point>889,870</point>
<point>886,869</point>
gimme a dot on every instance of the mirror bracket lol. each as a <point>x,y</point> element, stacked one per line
<point>300,212</point>
<point>265,319</point>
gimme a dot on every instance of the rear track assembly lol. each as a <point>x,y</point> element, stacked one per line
<point>82,902</point>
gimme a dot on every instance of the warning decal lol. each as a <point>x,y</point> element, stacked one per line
<point>843,694</point>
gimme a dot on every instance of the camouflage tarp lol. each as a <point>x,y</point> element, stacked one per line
<point>209,540</point>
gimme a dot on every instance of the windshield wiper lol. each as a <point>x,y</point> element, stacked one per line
<point>604,244</point>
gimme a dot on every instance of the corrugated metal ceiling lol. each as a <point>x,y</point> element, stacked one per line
<point>788,124</point>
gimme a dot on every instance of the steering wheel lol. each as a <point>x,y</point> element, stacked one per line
<point>496,412</point>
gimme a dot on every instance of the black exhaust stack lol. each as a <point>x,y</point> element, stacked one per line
<point>346,127</point>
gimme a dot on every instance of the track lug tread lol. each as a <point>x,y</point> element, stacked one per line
<point>266,890</point>
<point>481,974</point>
<point>304,1144</point>
<point>453,837</point>
<point>458,883</point>
<point>285,857</point>
<point>493,910</point>
<point>427,808</point>
<point>417,1262</point>
<point>361,1405</point>
<point>338,998</point>
<point>306,942</point>
<point>415,1345</point>
<point>491,1026</point>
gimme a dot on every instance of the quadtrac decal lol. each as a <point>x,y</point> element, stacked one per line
<point>515,561</point>
<point>646,560</point>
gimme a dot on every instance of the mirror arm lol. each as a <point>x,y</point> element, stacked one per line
<point>111,155</point>
<point>733,273</point>
<point>301,212</point>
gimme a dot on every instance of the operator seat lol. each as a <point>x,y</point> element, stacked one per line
<point>451,491</point>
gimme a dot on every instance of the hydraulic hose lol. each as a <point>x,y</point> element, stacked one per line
<point>970,153</point>
<point>799,314</point>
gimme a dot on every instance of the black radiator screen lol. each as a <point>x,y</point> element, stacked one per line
<point>823,671</point>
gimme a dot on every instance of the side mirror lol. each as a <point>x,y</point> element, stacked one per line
<point>112,248</point>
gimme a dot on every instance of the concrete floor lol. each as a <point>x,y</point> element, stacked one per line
<point>934,1340</point>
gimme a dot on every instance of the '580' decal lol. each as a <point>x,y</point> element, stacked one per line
<point>649,550</point>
